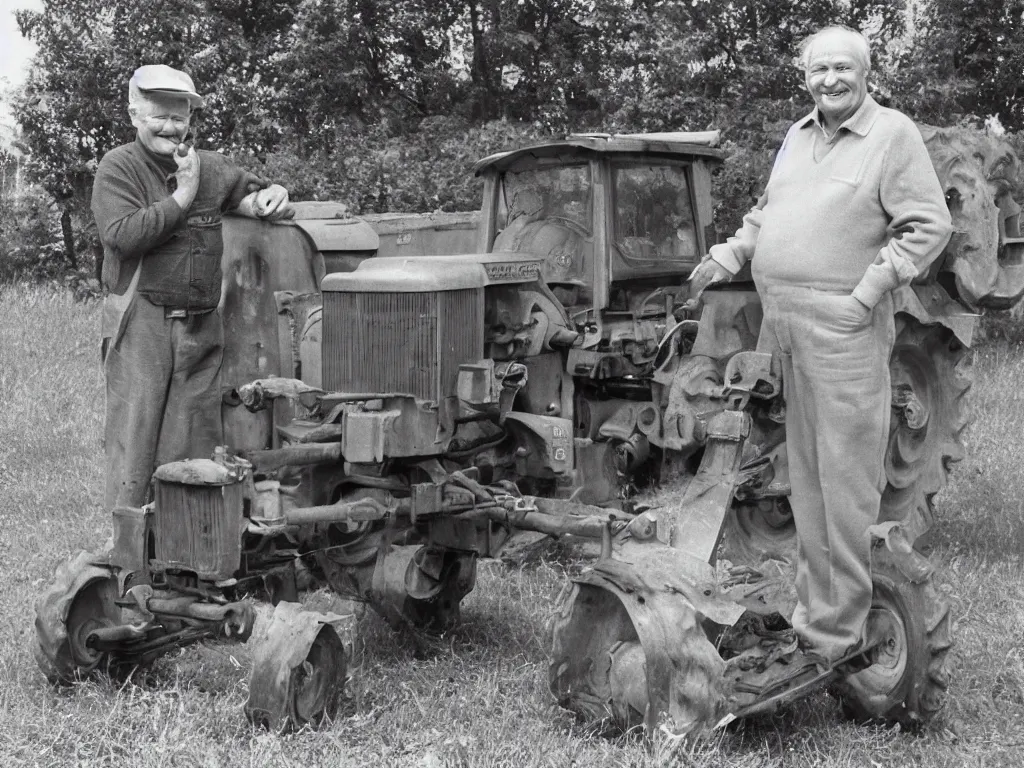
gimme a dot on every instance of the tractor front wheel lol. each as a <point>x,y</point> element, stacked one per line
<point>909,673</point>
<point>298,672</point>
<point>81,599</point>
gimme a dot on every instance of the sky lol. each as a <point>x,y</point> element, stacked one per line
<point>15,52</point>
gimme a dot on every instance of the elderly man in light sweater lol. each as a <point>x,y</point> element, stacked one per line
<point>852,210</point>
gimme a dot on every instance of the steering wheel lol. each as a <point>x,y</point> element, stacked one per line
<point>569,224</point>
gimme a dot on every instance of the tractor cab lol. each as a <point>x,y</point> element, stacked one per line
<point>608,214</point>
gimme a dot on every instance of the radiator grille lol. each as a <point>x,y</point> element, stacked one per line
<point>198,528</point>
<point>402,343</point>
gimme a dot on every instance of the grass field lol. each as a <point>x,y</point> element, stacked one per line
<point>477,696</point>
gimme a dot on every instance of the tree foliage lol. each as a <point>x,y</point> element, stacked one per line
<point>385,104</point>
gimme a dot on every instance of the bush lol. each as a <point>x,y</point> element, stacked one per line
<point>30,239</point>
<point>374,171</point>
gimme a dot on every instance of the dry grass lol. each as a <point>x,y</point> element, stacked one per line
<point>477,696</point>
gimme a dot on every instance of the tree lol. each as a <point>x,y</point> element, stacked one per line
<point>328,93</point>
<point>964,60</point>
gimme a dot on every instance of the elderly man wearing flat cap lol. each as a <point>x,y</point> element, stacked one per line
<point>158,205</point>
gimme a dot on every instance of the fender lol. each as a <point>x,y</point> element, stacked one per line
<point>930,304</point>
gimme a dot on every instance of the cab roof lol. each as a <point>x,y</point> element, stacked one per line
<point>673,144</point>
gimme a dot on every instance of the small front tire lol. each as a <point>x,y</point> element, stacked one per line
<point>81,599</point>
<point>907,680</point>
<point>298,671</point>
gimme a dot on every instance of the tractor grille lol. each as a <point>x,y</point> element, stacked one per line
<point>401,343</point>
<point>198,528</point>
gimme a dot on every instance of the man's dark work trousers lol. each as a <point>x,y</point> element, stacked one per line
<point>163,396</point>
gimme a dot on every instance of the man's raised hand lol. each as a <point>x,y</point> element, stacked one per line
<point>270,203</point>
<point>187,176</point>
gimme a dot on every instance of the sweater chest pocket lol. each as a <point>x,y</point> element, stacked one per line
<point>847,166</point>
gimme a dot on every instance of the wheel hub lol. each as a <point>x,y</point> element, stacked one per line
<point>889,653</point>
<point>90,610</point>
<point>83,654</point>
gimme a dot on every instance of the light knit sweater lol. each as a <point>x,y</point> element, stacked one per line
<point>860,214</point>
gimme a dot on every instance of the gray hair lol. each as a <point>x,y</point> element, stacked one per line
<point>862,48</point>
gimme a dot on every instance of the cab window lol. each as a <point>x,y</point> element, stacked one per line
<point>540,193</point>
<point>653,218</point>
<point>547,212</point>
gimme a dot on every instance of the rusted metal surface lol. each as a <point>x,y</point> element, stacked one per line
<point>359,511</point>
<point>671,674</point>
<point>298,671</point>
<point>420,585</point>
<point>417,233</point>
<point>637,616</point>
<point>84,623</point>
<point>203,471</point>
<point>256,395</point>
<point>198,512</point>
<point>259,259</point>
<point>295,456</point>
<point>698,528</point>
<point>584,526</point>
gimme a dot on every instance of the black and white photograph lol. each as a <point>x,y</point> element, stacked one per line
<point>511,383</point>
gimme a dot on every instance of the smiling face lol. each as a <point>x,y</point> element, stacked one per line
<point>161,121</point>
<point>837,77</point>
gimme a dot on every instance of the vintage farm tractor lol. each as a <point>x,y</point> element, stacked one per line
<point>405,413</point>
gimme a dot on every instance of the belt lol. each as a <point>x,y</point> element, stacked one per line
<point>183,314</point>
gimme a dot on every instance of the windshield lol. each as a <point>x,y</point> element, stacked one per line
<point>653,214</point>
<point>542,193</point>
<point>547,212</point>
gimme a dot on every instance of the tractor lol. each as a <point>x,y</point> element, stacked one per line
<point>402,395</point>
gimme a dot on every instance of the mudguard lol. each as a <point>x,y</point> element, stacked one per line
<point>930,304</point>
<point>649,608</point>
<point>298,671</point>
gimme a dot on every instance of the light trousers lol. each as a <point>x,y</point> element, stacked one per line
<point>837,390</point>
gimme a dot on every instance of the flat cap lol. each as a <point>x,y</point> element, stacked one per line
<point>159,78</point>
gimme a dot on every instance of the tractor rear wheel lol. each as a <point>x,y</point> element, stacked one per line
<point>927,424</point>
<point>759,531</point>
<point>925,440</point>
<point>907,680</point>
<point>80,600</point>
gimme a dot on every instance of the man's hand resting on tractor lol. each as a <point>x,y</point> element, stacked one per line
<point>270,203</point>
<point>708,272</point>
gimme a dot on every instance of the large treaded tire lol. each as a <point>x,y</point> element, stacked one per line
<point>921,451</point>
<point>907,681</point>
<point>81,598</point>
<point>753,535</point>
